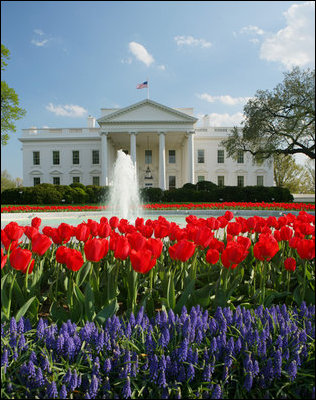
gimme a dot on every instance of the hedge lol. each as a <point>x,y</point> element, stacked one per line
<point>77,193</point>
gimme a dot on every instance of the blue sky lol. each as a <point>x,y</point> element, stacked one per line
<point>69,59</point>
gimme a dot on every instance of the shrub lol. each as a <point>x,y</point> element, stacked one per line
<point>206,185</point>
<point>151,195</point>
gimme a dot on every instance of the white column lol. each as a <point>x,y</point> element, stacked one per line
<point>104,158</point>
<point>191,157</point>
<point>133,146</point>
<point>162,161</point>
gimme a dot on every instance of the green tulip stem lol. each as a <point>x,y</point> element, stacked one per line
<point>304,282</point>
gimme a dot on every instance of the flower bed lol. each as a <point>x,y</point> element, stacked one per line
<point>93,270</point>
<point>264,353</point>
<point>171,206</point>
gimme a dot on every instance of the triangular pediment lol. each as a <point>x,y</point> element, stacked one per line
<point>147,111</point>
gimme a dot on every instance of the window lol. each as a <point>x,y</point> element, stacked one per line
<point>56,159</point>
<point>56,180</point>
<point>36,158</point>
<point>36,181</point>
<point>172,182</point>
<point>220,156</point>
<point>148,156</point>
<point>75,157</point>
<point>259,180</point>
<point>240,181</point>
<point>95,157</point>
<point>76,179</point>
<point>240,157</point>
<point>220,180</point>
<point>96,180</point>
<point>201,157</point>
<point>201,178</point>
<point>172,156</point>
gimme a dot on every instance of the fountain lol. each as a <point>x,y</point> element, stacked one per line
<point>124,193</point>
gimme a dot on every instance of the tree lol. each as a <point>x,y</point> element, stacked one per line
<point>7,182</point>
<point>10,110</point>
<point>286,172</point>
<point>280,121</point>
<point>308,178</point>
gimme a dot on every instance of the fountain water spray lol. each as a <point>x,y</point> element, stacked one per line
<point>124,192</point>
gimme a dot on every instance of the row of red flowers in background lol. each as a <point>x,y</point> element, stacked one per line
<point>158,206</point>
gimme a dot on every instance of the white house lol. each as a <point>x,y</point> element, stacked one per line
<point>167,146</point>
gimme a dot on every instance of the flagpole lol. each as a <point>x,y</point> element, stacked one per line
<point>147,89</point>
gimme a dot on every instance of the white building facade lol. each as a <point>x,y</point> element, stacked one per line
<point>167,146</point>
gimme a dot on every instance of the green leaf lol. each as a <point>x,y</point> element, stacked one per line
<point>89,302</point>
<point>58,314</point>
<point>24,308</point>
<point>82,273</point>
<point>107,312</point>
<point>271,295</point>
<point>297,296</point>
<point>185,296</point>
<point>202,296</point>
<point>171,292</point>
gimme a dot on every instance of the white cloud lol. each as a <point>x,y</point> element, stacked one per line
<point>225,99</point>
<point>68,110</point>
<point>294,44</point>
<point>191,41</point>
<point>252,29</point>
<point>141,53</point>
<point>226,119</point>
<point>39,43</point>
<point>162,67</point>
<point>41,38</point>
<point>38,32</point>
<point>254,40</point>
<point>127,60</point>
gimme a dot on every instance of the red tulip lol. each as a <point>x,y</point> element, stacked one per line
<point>162,228</point>
<point>61,254</point>
<point>233,254</point>
<point>104,230</point>
<point>36,222</point>
<point>21,259</point>
<point>94,227</point>
<point>217,244</point>
<point>122,248</point>
<point>286,233</point>
<point>245,242</point>
<point>31,232</point>
<point>40,244</point>
<point>142,260</point>
<point>136,240</point>
<point>74,260</point>
<point>8,243</point>
<point>82,232</point>
<point>13,231</point>
<point>65,232</point>
<point>229,215</point>
<point>233,228</point>
<point>266,247</point>
<point>306,249</point>
<point>114,221</point>
<point>155,246</point>
<point>3,258</point>
<point>182,250</point>
<point>203,237</point>
<point>290,264</point>
<point>212,256</point>
<point>95,249</point>
<point>222,221</point>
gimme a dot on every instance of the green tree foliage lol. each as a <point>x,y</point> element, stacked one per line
<point>7,182</point>
<point>10,110</point>
<point>295,177</point>
<point>278,121</point>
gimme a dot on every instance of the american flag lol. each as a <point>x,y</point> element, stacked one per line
<point>142,85</point>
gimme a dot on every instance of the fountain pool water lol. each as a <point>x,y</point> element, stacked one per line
<point>124,191</point>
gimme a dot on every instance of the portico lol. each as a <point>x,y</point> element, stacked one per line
<point>158,138</point>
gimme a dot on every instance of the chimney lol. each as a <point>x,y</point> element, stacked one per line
<point>206,121</point>
<point>91,122</point>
